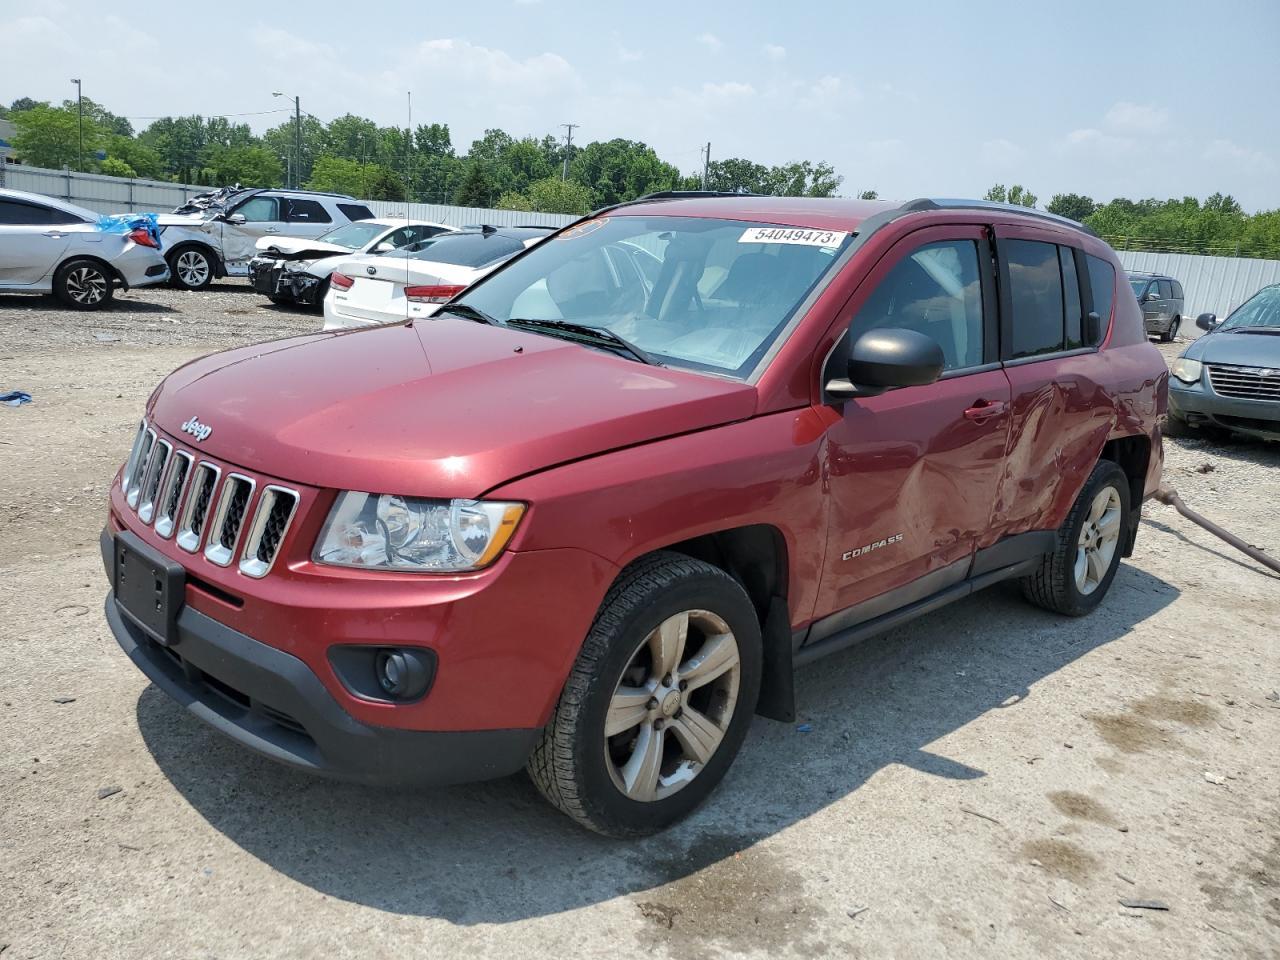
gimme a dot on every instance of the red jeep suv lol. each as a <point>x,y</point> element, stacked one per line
<point>590,518</point>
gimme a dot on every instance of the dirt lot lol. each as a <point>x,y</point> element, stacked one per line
<point>990,781</point>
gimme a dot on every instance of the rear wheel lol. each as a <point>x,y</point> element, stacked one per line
<point>658,702</point>
<point>192,267</point>
<point>1171,334</point>
<point>83,284</point>
<point>1075,577</point>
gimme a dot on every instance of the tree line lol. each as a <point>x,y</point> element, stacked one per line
<point>354,155</point>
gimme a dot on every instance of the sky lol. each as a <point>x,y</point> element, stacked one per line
<point>917,99</point>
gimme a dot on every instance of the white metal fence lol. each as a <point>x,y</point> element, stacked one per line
<point>464,216</point>
<point>97,192</point>
<point>1211,284</point>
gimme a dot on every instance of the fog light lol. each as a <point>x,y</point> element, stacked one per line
<point>402,674</point>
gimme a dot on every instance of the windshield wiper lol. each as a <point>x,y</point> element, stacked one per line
<point>468,312</point>
<point>1255,328</point>
<point>584,333</point>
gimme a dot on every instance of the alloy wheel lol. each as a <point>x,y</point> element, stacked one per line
<point>86,285</point>
<point>1099,537</point>
<point>672,705</point>
<point>193,268</point>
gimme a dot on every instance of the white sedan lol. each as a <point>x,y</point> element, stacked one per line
<point>414,282</point>
<point>48,246</point>
<point>297,269</point>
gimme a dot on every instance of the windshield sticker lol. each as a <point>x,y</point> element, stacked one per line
<point>583,229</point>
<point>807,238</point>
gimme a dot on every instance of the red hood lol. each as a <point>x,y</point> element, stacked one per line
<point>444,408</point>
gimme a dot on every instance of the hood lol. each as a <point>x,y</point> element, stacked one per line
<point>292,246</point>
<point>441,408</point>
<point>1245,349</point>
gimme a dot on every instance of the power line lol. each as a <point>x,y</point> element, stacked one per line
<point>217,116</point>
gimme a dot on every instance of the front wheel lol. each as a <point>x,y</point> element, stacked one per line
<point>658,701</point>
<point>192,267</point>
<point>83,285</point>
<point>1075,577</point>
<point>1171,334</point>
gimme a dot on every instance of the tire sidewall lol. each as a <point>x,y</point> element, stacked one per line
<point>721,596</point>
<point>1106,474</point>
<point>191,248</point>
<point>63,294</point>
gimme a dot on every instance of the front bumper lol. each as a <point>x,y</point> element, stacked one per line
<point>272,703</point>
<point>270,278</point>
<point>1198,404</point>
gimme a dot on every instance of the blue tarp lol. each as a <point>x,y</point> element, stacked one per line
<point>128,222</point>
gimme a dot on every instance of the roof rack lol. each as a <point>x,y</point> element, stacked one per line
<point>940,203</point>
<point>694,195</point>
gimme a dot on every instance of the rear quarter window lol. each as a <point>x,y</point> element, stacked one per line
<point>355,211</point>
<point>306,211</point>
<point>1102,283</point>
<point>1035,297</point>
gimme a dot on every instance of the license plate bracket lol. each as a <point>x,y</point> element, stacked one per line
<point>149,587</point>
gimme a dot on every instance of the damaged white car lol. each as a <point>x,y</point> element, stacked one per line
<point>295,270</point>
<point>216,234</point>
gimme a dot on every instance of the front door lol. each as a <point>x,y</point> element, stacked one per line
<point>911,474</point>
<point>32,240</point>
<point>262,218</point>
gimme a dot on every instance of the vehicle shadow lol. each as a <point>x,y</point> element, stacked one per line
<point>496,852</point>
<point>45,302</point>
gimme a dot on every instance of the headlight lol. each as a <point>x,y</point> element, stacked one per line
<point>412,533</point>
<point>1188,371</point>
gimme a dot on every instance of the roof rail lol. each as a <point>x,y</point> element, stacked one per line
<point>940,203</point>
<point>694,195</point>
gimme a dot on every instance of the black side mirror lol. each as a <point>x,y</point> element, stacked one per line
<point>1207,321</point>
<point>886,358</point>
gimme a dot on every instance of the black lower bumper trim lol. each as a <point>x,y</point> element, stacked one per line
<point>272,703</point>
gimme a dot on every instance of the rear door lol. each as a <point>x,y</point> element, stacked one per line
<point>33,238</point>
<point>305,218</point>
<point>1152,311</point>
<point>1167,308</point>
<point>1050,357</point>
<point>912,474</point>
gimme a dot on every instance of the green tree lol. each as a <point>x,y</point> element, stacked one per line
<point>618,170</point>
<point>115,167</point>
<point>136,155</point>
<point>50,136</point>
<point>107,121</point>
<point>804,178</point>
<point>1073,206</point>
<point>1017,195</point>
<point>26,103</point>
<point>476,189</point>
<point>280,141</point>
<point>868,195</point>
<point>736,175</point>
<point>366,181</point>
<point>551,195</point>
<point>249,166</point>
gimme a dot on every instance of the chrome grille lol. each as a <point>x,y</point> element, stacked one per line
<point>196,509</point>
<point>135,457</point>
<point>156,463</point>
<point>171,493</point>
<point>275,511</point>
<point>228,518</point>
<point>1245,383</point>
<point>145,444</point>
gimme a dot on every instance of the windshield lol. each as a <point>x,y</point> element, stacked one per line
<point>356,235</point>
<point>1261,310</point>
<point>1139,284</point>
<point>703,294</point>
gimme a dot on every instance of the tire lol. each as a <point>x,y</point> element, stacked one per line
<point>582,771</point>
<point>1171,334</point>
<point>1058,585</point>
<point>192,267</point>
<point>280,301</point>
<point>84,284</point>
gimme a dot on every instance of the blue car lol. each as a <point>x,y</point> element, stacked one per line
<point>1231,378</point>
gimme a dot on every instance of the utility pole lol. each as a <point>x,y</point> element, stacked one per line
<point>80,123</point>
<point>568,147</point>
<point>297,139</point>
<point>706,162</point>
<point>408,157</point>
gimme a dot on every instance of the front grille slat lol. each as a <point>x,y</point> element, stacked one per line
<point>228,519</point>
<point>171,493</point>
<point>133,488</point>
<point>196,510</point>
<point>1244,383</point>
<point>271,521</point>
<point>155,472</point>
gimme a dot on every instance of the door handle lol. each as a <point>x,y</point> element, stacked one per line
<point>272,230</point>
<point>54,234</point>
<point>985,409</point>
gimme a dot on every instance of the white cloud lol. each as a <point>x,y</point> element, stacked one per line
<point>1093,141</point>
<point>775,52</point>
<point>711,42</point>
<point>629,56</point>
<point>1243,158</point>
<point>487,69</point>
<point>1135,118</point>
<point>1002,153</point>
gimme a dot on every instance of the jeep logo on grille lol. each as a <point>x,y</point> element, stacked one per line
<point>197,429</point>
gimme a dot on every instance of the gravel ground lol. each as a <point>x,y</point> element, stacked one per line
<point>991,780</point>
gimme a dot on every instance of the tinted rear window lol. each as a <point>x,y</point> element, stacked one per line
<point>14,211</point>
<point>1177,290</point>
<point>1035,294</point>
<point>469,249</point>
<point>306,211</point>
<point>356,211</point>
<point>1102,281</point>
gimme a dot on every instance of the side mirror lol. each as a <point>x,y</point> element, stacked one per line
<point>1150,297</point>
<point>1207,321</point>
<point>236,218</point>
<point>383,247</point>
<point>886,358</point>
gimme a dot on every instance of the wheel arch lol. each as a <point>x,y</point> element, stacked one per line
<point>219,268</point>
<point>1132,454</point>
<point>112,272</point>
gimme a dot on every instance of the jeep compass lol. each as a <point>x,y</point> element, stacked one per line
<point>590,517</point>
